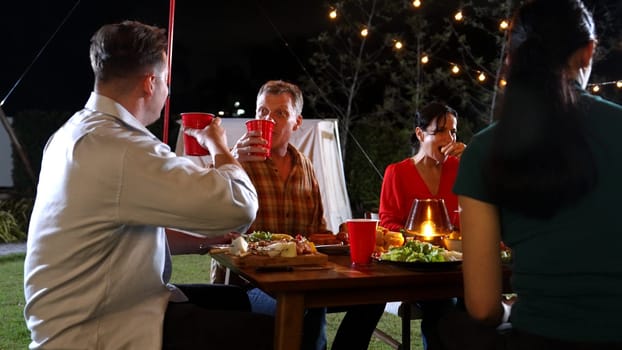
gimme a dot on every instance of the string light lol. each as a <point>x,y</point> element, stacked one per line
<point>504,24</point>
<point>481,77</point>
<point>459,16</point>
<point>596,87</point>
<point>455,69</point>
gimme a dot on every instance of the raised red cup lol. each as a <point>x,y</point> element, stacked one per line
<point>362,236</point>
<point>265,126</point>
<point>195,120</point>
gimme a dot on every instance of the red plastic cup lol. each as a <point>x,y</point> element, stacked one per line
<point>362,235</point>
<point>265,126</point>
<point>195,120</point>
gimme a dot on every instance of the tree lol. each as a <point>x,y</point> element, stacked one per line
<point>453,55</point>
<point>347,64</point>
<point>368,72</point>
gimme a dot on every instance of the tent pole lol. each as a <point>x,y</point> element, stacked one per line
<point>167,106</point>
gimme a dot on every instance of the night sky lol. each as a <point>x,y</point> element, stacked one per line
<point>223,50</point>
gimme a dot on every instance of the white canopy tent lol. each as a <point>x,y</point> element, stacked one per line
<point>318,139</point>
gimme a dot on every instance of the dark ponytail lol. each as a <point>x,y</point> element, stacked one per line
<point>540,160</point>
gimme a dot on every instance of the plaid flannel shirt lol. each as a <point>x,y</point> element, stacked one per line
<point>293,206</point>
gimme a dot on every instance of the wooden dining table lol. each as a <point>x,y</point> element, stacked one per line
<point>338,283</point>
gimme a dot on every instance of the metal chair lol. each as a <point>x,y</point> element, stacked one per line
<point>407,312</point>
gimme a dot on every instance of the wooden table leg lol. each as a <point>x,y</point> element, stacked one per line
<point>288,322</point>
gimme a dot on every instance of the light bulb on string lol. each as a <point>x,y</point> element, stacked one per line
<point>504,24</point>
<point>417,3</point>
<point>425,59</point>
<point>455,69</point>
<point>398,45</point>
<point>364,32</point>
<point>503,82</point>
<point>596,87</point>
<point>332,14</point>
<point>459,16</point>
<point>481,77</point>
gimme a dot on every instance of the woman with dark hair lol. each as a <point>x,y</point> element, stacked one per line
<point>430,173</point>
<point>545,179</point>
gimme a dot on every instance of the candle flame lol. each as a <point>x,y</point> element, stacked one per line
<point>427,229</point>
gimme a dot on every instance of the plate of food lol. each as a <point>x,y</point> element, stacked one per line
<point>420,255</point>
<point>265,249</point>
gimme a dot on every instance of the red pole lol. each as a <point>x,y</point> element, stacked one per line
<point>167,105</point>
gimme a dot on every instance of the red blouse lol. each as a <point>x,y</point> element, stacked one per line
<point>402,184</point>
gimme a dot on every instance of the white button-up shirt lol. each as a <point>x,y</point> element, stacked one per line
<point>97,265</point>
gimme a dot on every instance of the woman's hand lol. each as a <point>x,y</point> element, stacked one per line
<point>453,149</point>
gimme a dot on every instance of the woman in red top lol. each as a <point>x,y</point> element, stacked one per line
<point>430,173</point>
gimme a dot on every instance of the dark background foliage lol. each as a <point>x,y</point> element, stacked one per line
<point>224,53</point>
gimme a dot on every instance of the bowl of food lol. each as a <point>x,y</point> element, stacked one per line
<point>454,244</point>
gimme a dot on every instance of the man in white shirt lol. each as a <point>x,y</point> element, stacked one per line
<point>98,259</point>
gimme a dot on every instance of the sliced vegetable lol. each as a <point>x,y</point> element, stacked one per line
<point>413,251</point>
<point>257,236</point>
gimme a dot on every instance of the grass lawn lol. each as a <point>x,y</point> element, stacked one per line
<point>186,269</point>
<point>13,332</point>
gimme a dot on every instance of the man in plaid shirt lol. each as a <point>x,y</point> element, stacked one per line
<point>289,195</point>
<point>290,202</point>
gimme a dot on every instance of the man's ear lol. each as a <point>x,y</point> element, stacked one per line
<point>148,84</point>
<point>298,122</point>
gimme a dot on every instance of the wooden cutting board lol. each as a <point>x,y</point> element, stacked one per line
<point>266,261</point>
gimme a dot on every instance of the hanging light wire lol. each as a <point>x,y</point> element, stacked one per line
<point>310,76</point>
<point>3,118</point>
<point>40,52</point>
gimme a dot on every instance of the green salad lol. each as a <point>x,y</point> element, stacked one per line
<point>257,236</point>
<point>413,251</point>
